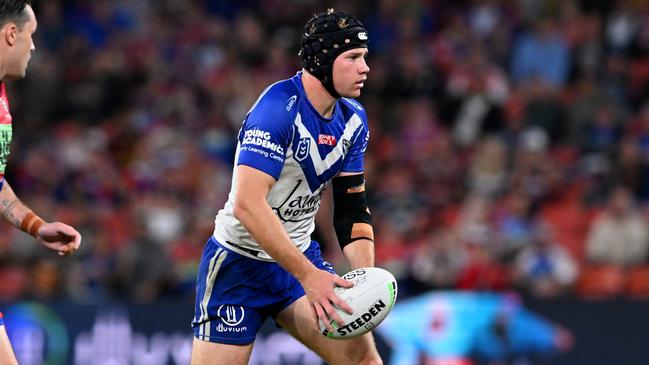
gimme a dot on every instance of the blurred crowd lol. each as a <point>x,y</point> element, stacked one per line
<point>509,140</point>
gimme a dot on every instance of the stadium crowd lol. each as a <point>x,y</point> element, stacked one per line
<point>509,140</point>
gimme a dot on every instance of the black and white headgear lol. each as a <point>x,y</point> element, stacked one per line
<point>325,37</point>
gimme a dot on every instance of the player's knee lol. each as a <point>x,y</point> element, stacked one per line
<point>363,352</point>
<point>359,356</point>
<point>371,359</point>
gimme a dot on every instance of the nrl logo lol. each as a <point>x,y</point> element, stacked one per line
<point>302,149</point>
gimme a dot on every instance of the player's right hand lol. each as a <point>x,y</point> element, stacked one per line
<point>59,237</point>
<point>319,288</point>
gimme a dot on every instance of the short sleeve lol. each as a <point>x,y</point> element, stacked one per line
<point>266,133</point>
<point>5,142</point>
<point>354,160</point>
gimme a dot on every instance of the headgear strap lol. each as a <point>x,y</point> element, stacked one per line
<point>325,37</point>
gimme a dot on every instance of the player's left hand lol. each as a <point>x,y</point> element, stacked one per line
<point>59,237</point>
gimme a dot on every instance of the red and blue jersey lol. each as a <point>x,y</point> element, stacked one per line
<point>5,131</point>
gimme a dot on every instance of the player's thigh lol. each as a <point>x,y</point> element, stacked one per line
<point>6,352</point>
<point>211,353</point>
<point>300,323</point>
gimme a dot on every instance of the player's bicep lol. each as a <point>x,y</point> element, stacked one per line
<point>265,152</point>
<point>266,135</point>
<point>252,185</point>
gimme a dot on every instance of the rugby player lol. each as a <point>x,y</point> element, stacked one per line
<point>301,134</point>
<point>17,24</point>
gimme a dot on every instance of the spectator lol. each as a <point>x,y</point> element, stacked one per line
<point>544,268</point>
<point>542,55</point>
<point>619,235</point>
<point>515,225</point>
<point>438,260</point>
<point>487,174</point>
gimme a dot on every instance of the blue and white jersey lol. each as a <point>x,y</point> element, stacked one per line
<point>284,136</point>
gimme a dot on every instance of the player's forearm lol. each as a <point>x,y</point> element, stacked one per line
<point>11,208</point>
<point>6,352</point>
<point>360,253</point>
<point>267,230</point>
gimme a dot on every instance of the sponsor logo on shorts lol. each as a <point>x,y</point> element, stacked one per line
<point>327,265</point>
<point>221,329</point>
<point>231,315</point>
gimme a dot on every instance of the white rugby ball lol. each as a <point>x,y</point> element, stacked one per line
<point>371,298</point>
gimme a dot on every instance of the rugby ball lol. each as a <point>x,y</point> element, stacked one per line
<point>371,298</point>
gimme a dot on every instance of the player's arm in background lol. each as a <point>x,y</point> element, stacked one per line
<point>352,219</point>
<point>7,356</point>
<point>326,232</point>
<point>56,236</point>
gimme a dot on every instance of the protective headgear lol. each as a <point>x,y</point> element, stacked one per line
<point>325,37</point>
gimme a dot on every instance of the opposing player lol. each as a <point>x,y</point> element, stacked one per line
<point>300,134</point>
<point>18,23</point>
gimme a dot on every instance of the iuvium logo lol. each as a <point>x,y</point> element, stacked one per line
<point>231,315</point>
